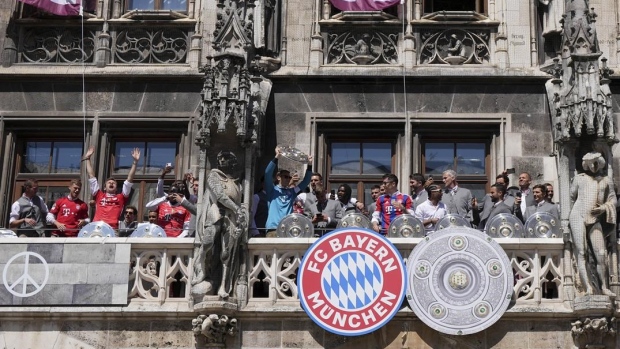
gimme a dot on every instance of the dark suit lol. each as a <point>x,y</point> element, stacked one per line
<point>419,198</point>
<point>490,210</point>
<point>458,202</point>
<point>331,209</point>
<point>545,207</point>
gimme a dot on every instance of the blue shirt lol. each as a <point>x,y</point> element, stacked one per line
<point>280,200</point>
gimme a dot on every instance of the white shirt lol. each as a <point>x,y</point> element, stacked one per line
<point>426,211</point>
<point>44,211</point>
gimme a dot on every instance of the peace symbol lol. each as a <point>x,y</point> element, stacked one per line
<point>19,286</point>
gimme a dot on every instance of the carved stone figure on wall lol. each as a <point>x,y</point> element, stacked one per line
<point>214,328</point>
<point>224,222</point>
<point>553,11</point>
<point>592,221</point>
<point>455,47</point>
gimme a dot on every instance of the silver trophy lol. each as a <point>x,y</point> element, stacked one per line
<point>148,230</point>
<point>293,154</point>
<point>504,225</point>
<point>542,225</point>
<point>295,225</point>
<point>354,219</point>
<point>406,226</point>
<point>96,230</point>
<point>451,221</point>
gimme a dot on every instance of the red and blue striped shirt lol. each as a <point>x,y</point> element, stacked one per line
<point>385,212</point>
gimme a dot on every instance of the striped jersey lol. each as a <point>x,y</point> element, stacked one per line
<point>385,212</point>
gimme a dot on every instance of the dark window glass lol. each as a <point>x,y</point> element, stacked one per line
<point>360,165</point>
<point>153,156</point>
<point>361,158</point>
<point>52,157</point>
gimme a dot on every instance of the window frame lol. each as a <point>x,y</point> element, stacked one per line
<point>141,180</point>
<point>333,181</point>
<point>480,6</point>
<point>157,7</point>
<point>482,136</point>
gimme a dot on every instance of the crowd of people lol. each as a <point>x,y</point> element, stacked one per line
<point>427,200</point>
<point>281,194</point>
<point>174,212</point>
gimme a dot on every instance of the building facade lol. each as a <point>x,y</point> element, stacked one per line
<point>421,86</point>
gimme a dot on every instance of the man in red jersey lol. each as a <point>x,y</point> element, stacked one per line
<point>70,213</point>
<point>171,215</point>
<point>108,203</point>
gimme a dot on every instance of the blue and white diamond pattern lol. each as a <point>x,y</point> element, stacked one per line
<point>352,280</point>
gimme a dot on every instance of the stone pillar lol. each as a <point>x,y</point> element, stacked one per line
<point>9,51</point>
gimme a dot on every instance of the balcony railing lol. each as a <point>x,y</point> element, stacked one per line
<point>538,267</point>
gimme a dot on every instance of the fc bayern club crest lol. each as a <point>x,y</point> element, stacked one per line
<point>352,281</point>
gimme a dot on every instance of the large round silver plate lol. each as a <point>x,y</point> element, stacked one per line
<point>406,226</point>
<point>542,225</point>
<point>148,230</point>
<point>7,233</point>
<point>504,225</point>
<point>292,153</point>
<point>96,230</point>
<point>452,220</point>
<point>295,225</point>
<point>354,219</point>
<point>460,281</point>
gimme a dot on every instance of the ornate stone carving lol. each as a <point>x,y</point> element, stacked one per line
<point>592,219</point>
<point>579,95</point>
<point>362,48</point>
<point>234,26</point>
<point>454,47</point>
<point>153,273</point>
<point>590,333</point>
<point>223,228</point>
<point>211,330</point>
<point>228,99</point>
<point>57,45</point>
<point>141,45</point>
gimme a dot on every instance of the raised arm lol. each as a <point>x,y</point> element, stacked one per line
<point>89,166</point>
<point>160,180</point>
<point>135,154</point>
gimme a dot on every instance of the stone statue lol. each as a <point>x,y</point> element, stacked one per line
<point>223,221</point>
<point>590,333</point>
<point>214,328</point>
<point>592,221</point>
<point>553,11</point>
<point>456,47</point>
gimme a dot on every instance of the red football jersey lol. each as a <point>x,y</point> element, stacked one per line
<point>171,218</point>
<point>109,208</point>
<point>69,212</point>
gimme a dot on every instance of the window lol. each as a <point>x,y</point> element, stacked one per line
<point>431,6</point>
<point>51,157</point>
<point>51,162</point>
<point>157,5</point>
<point>154,155</point>
<point>468,158</point>
<point>360,164</point>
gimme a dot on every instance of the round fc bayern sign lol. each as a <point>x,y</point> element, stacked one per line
<point>352,281</point>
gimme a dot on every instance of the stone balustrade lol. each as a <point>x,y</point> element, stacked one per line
<point>538,266</point>
<point>160,270</point>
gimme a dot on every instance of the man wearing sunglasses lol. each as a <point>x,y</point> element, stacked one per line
<point>129,222</point>
<point>280,197</point>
